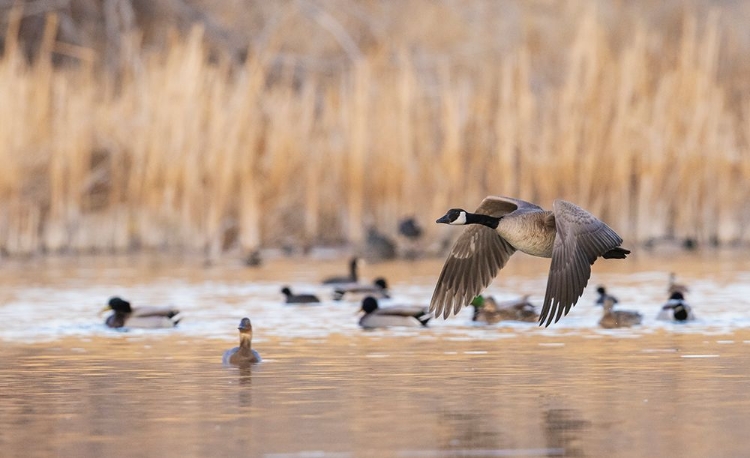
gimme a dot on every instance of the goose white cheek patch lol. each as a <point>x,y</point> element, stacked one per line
<point>461,219</point>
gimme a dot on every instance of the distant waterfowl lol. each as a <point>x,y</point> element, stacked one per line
<point>676,309</point>
<point>412,231</point>
<point>486,310</point>
<point>409,228</point>
<point>123,315</point>
<point>618,318</point>
<point>378,246</point>
<point>298,298</point>
<point>253,259</point>
<point>675,287</point>
<point>379,289</point>
<point>353,276</point>
<point>602,292</point>
<point>244,354</point>
<point>568,234</point>
<point>402,315</point>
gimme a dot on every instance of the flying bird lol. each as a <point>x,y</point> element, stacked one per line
<point>500,226</point>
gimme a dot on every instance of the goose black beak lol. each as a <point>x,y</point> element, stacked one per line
<point>444,220</point>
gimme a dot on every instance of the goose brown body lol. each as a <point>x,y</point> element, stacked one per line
<point>500,226</point>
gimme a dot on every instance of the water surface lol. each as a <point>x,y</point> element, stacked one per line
<point>71,387</point>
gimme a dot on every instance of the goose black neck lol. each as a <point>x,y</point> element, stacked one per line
<point>484,220</point>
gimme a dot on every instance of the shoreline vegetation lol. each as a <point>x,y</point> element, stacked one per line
<point>339,116</point>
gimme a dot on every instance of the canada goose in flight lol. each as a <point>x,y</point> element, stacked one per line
<point>602,292</point>
<point>397,315</point>
<point>676,309</point>
<point>123,315</point>
<point>486,310</point>
<point>378,288</point>
<point>243,355</point>
<point>351,278</point>
<point>298,298</point>
<point>568,234</point>
<point>618,318</point>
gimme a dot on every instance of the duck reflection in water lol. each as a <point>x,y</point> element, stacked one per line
<point>563,429</point>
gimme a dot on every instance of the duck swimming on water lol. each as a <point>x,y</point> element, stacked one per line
<point>244,354</point>
<point>123,315</point>
<point>617,318</point>
<point>290,298</point>
<point>378,288</point>
<point>676,309</point>
<point>398,315</point>
<point>499,227</point>
<point>486,310</point>
<point>353,276</point>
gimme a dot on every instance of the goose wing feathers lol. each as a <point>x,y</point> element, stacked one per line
<point>580,239</point>
<point>476,257</point>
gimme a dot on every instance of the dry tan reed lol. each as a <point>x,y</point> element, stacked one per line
<point>186,151</point>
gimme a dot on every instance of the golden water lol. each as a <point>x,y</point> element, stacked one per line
<point>449,390</point>
<point>663,395</point>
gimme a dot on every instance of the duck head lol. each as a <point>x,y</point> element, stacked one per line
<point>245,326</point>
<point>118,305</point>
<point>369,305</point>
<point>477,303</point>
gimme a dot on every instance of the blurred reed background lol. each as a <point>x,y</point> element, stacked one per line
<point>234,124</point>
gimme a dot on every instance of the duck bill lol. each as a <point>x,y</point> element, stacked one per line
<point>105,309</point>
<point>443,220</point>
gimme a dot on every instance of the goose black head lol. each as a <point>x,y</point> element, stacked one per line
<point>245,326</point>
<point>119,305</point>
<point>369,304</point>
<point>454,216</point>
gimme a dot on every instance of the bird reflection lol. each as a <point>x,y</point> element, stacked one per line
<point>562,430</point>
<point>245,393</point>
<point>471,430</point>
